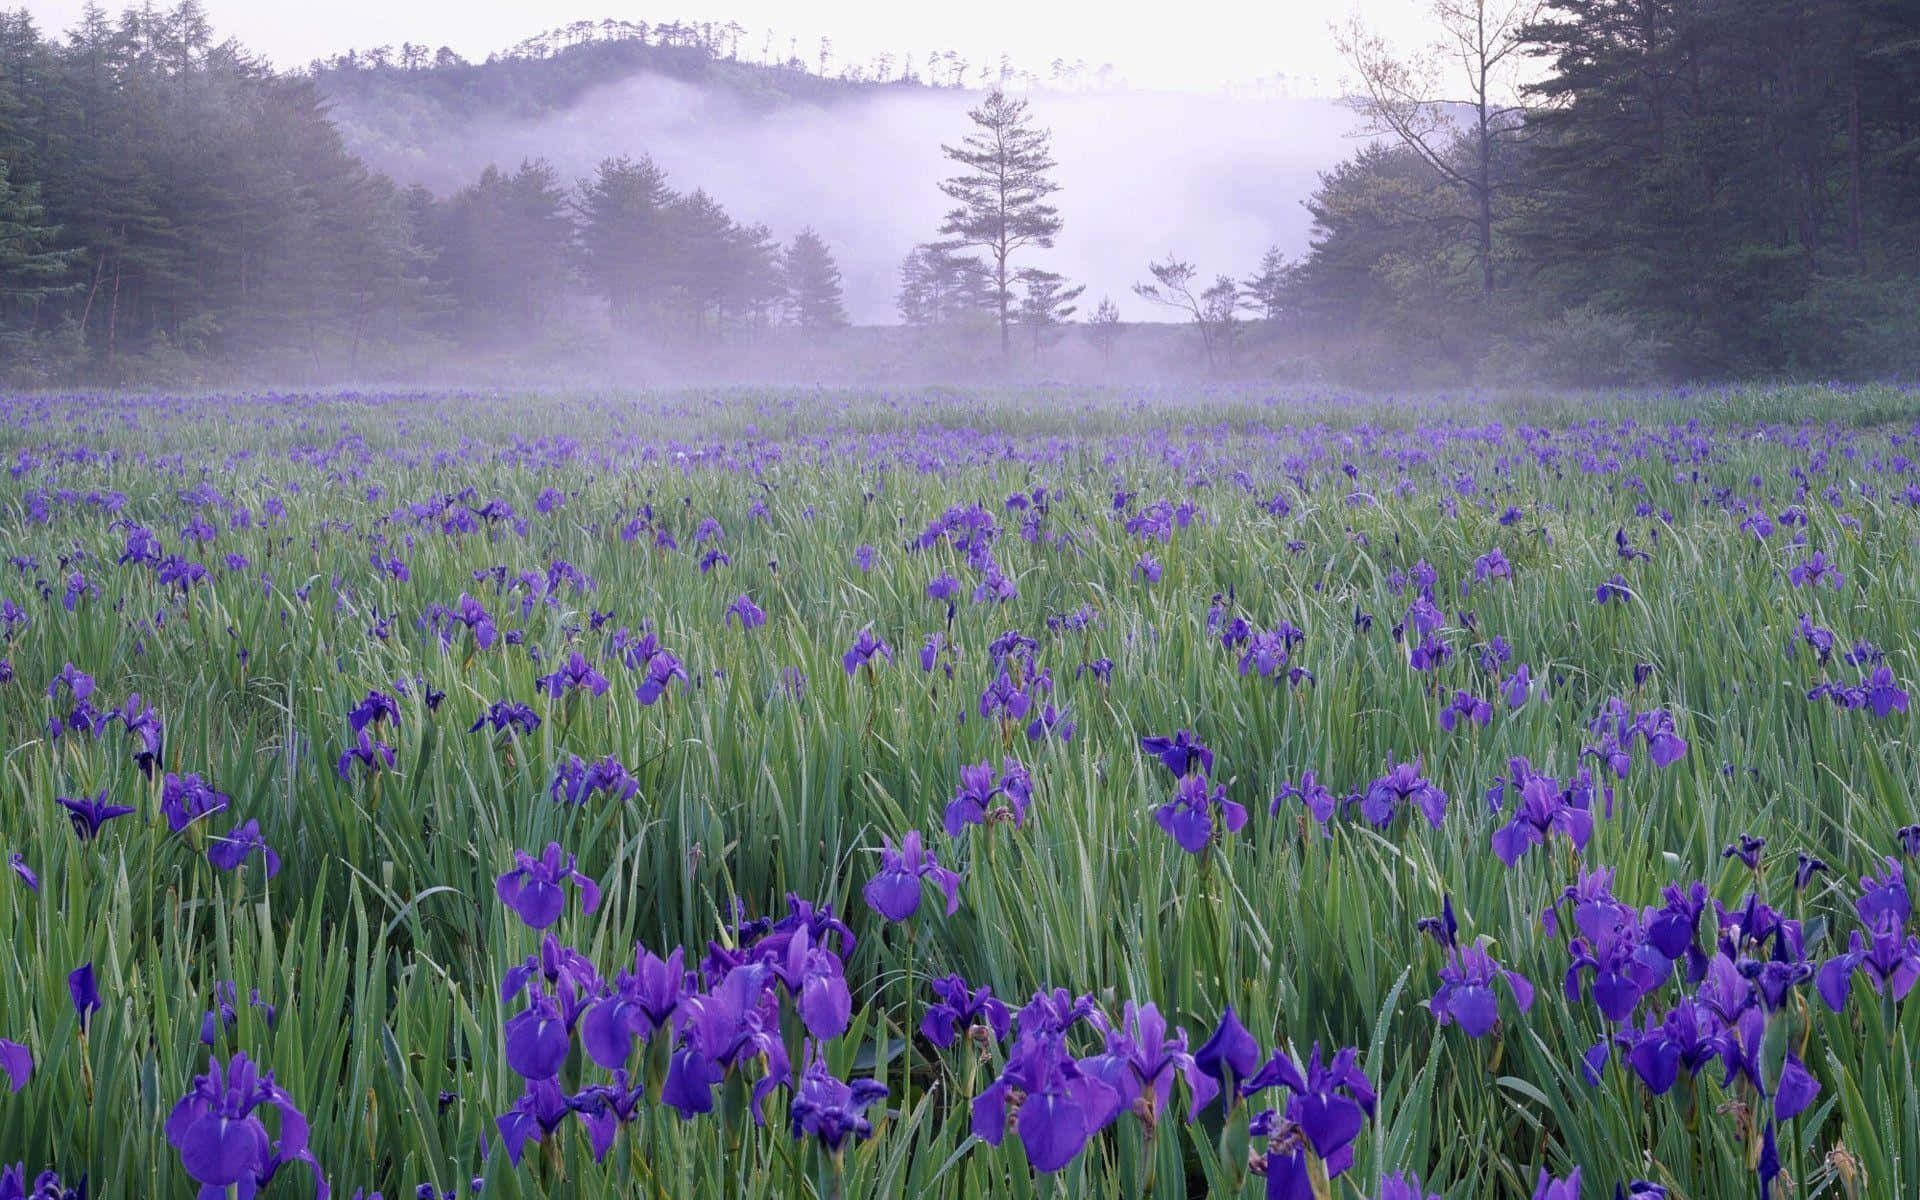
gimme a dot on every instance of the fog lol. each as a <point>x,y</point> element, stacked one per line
<point>1216,179</point>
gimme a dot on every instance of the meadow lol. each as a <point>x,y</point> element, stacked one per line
<point>951,795</point>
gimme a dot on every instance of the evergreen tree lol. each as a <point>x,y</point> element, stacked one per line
<point>1001,194</point>
<point>813,284</point>
<point>624,245</point>
<point>1268,290</point>
<point>1104,327</point>
<point>1047,304</point>
<point>502,249</point>
<point>32,271</point>
<point>939,287</point>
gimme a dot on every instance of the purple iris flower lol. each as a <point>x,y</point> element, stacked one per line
<point>373,756</point>
<point>1689,1037</point>
<point>1465,707</point>
<point>89,813</point>
<point>17,863</point>
<point>1319,799</point>
<point>930,653</point>
<point>225,1014</point>
<point>84,993</point>
<point>1402,1186</point>
<point>142,724</point>
<point>603,1109</point>
<point>1443,929</point>
<point>1492,565</point>
<point>749,614</point>
<point>1141,1060</point>
<point>227,853</point>
<point>641,1001</point>
<point>1189,818</point>
<point>577,780</point>
<point>537,1038</point>
<point>894,892</point>
<point>538,1112</point>
<point>185,799</point>
<point>222,1141</point>
<point>1747,850</point>
<point>1544,809</point>
<point>1229,1056</point>
<point>1329,1106</point>
<point>573,675</point>
<point>1266,652</point>
<point>829,1109</point>
<point>817,979</point>
<point>960,1006</point>
<point>1403,786</point>
<point>1466,992</point>
<point>1882,695</point>
<point>736,1023</point>
<point>1674,928</point>
<point>1814,571</point>
<point>78,683</point>
<point>662,668</point>
<point>503,716</point>
<point>1062,1106</point>
<point>864,650</point>
<point>1613,589</point>
<point>1051,720</point>
<point>1884,901</point>
<point>1182,753</point>
<point>16,1063</point>
<point>471,613</point>
<point>1549,1188</point>
<point>535,889</point>
<point>1519,687</point>
<point>1806,866</point>
<point>974,796</point>
<point>1889,957</point>
<point>377,707</point>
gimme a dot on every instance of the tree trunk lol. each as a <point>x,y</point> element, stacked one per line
<point>1855,244</point>
<point>1485,180</point>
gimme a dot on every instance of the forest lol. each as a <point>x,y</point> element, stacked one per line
<point>1660,190</point>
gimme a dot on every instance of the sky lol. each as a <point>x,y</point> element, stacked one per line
<point>1212,46</point>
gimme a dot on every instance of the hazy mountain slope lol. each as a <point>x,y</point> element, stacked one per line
<point>1213,178</point>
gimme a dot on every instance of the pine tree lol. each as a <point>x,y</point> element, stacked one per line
<point>624,250</point>
<point>939,287</point>
<point>1104,327</point>
<point>31,270</point>
<point>1046,305</point>
<point>813,284</point>
<point>1002,193</point>
<point>1269,290</point>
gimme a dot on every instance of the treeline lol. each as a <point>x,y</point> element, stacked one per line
<point>166,199</point>
<point>1678,188</point>
<point>731,42</point>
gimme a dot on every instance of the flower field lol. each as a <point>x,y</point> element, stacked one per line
<point>791,794</point>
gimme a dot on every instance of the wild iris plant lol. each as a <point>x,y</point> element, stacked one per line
<point>223,1141</point>
<point>1729,1022</point>
<point>894,892</point>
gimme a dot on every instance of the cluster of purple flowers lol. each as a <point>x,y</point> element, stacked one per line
<point>721,1023</point>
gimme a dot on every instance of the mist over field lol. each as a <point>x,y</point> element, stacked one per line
<point>1220,177</point>
<point>1504,194</point>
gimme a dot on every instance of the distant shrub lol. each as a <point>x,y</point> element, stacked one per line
<point>1585,345</point>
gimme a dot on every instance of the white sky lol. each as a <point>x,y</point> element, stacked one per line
<point>1204,48</point>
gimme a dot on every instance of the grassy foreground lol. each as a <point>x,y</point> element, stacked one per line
<point>1714,597</point>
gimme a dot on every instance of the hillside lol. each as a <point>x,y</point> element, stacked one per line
<point>382,103</point>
